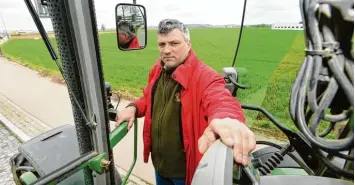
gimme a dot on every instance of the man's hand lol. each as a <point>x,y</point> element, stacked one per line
<point>128,114</point>
<point>233,133</point>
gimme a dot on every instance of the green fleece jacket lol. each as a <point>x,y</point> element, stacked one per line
<point>168,156</point>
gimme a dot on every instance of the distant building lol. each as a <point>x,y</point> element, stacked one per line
<point>287,26</point>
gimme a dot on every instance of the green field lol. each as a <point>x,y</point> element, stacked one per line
<point>260,53</point>
<point>278,91</point>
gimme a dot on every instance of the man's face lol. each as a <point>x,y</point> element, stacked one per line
<point>173,48</point>
<point>122,38</point>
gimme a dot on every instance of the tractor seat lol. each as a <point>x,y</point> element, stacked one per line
<point>52,150</point>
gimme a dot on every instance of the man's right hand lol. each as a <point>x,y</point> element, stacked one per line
<point>128,114</point>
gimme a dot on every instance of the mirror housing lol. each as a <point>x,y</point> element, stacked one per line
<point>131,26</point>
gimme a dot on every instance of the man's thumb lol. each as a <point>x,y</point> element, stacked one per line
<point>130,123</point>
<point>119,120</point>
<point>202,145</point>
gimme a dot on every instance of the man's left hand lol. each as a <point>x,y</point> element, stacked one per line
<point>233,133</point>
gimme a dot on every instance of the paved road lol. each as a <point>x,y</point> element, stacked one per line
<point>48,105</point>
<point>47,102</point>
<point>8,147</point>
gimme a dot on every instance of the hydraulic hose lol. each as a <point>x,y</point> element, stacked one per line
<point>304,89</point>
<point>325,79</point>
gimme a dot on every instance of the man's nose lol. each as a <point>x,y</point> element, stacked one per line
<point>166,49</point>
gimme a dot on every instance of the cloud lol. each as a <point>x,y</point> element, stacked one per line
<point>171,8</point>
<point>17,17</point>
<point>10,4</point>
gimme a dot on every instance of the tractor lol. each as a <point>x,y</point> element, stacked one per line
<point>323,91</point>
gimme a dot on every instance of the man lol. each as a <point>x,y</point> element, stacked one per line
<point>126,36</point>
<point>186,107</point>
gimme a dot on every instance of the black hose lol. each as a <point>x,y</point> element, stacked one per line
<point>334,168</point>
<point>307,79</point>
<point>270,144</point>
<point>284,129</point>
<point>324,81</point>
<point>238,85</point>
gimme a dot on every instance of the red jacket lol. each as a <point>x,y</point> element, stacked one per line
<point>134,44</point>
<point>204,97</point>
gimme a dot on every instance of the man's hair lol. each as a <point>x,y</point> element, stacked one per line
<point>167,25</point>
<point>126,28</point>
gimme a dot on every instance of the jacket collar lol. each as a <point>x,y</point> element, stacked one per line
<point>183,72</point>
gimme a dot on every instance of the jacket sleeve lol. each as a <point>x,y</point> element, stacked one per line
<point>216,98</point>
<point>140,104</point>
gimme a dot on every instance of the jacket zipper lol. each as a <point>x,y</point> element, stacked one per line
<point>152,94</point>
<point>159,122</point>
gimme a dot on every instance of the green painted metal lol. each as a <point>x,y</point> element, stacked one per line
<point>134,153</point>
<point>95,163</point>
<point>118,134</point>
<point>28,178</point>
<point>288,171</point>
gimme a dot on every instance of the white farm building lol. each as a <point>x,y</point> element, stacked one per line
<point>287,26</point>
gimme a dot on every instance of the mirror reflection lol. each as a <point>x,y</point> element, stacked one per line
<point>131,26</point>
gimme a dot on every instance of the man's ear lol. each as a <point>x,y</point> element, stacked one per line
<point>189,43</point>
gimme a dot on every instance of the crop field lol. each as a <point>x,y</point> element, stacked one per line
<point>278,91</point>
<point>263,55</point>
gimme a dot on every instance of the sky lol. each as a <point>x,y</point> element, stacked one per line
<point>17,17</point>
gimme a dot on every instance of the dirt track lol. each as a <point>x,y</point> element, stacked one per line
<point>29,36</point>
<point>51,35</point>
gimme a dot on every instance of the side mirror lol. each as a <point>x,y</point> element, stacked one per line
<point>42,8</point>
<point>131,26</point>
